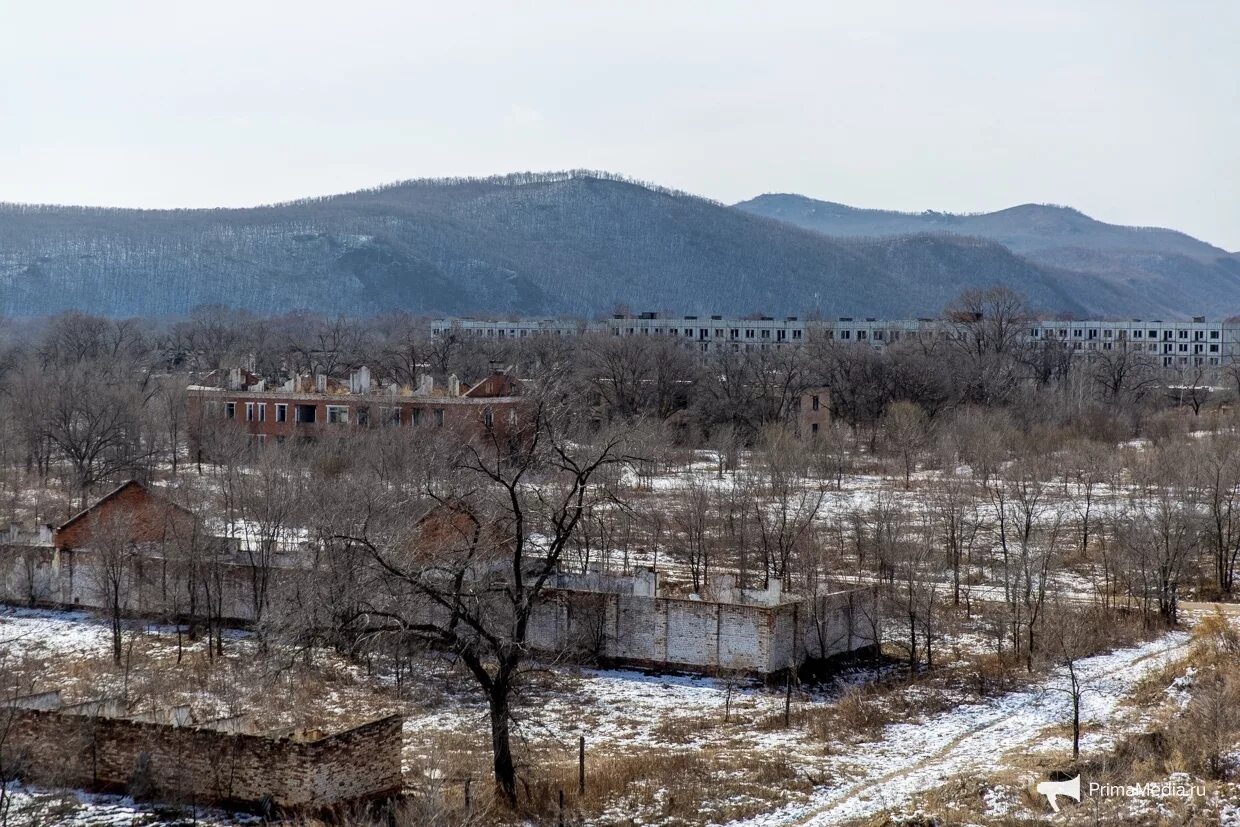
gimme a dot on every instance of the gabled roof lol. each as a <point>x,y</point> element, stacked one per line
<point>115,492</point>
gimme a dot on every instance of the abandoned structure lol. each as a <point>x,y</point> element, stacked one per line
<point>1172,344</point>
<point>308,407</point>
<point>814,412</point>
<point>628,620</point>
<point>169,756</point>
<point>136,547</point>
<point>621,619</point>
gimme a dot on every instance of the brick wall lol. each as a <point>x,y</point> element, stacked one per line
<point>29,575</point>
<point>814,418</point>
<point>131,508</point>
<point>207,766</point>
<point>629,629</point>
<point>702,635</point>
<point>464,416</point>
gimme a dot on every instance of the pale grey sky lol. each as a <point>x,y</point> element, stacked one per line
<point>1128,110</point>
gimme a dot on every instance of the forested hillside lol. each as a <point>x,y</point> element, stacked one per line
<point>1171,271</point>
<point>571,243</point>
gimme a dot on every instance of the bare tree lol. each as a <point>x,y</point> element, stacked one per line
<point>498,541</point>
<point>112,558</point>
<point>788,503</point>
<point>1161,528</point>
<point>831,454</point>
<point>93,419</point>
<point>990,327</point>
<point>693,533</point>
<point>955,503</point>
<point>267,509</point>
<point>904,430</point>
<point>1219,482</point>
<point>1123,376</point>
<point>1074,637</point>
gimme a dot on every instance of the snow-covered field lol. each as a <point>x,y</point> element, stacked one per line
<point>619,709</point>
<point>35,807</point>
<point>836,775</point>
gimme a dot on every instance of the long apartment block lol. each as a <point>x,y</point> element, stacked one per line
<point>1175,343</point>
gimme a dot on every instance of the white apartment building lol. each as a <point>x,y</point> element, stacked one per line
<point>1199,342</point>
<point>1175,344</point>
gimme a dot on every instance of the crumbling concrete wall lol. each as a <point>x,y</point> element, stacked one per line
<point>29,574</point>
<point>703,635</point>
<point>153,585</point>
<point>842,621</point>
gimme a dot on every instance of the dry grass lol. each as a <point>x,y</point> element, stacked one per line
<point>671,786</point>
<point>151,676</point>
<point>674,787</point>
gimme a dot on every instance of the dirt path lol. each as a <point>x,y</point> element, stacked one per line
<point>969,739</point>
<point>1232,609</point>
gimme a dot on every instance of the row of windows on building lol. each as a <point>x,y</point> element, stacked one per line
<point>1151,347</point>
<point>1108,333</point>
<point>340,414</point>
<point>705,333</point>
<point>507,333</point>
<point>780,334</point>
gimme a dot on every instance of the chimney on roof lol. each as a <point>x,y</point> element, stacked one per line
<point>320,382</point>
<point>359,380</point>
<point>426,385</point>
<point>454,386</point>
<point>646,583</point>
<point>234,379</point>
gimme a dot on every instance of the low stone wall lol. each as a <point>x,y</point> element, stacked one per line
<point>77,747</point>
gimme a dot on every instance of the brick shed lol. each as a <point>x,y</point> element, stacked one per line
<point>143,516</point>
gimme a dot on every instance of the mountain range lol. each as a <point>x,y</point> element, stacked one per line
<point>580,243</point>
<point>1157,270</point>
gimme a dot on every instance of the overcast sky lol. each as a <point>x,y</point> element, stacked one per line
<point>1127,110</point>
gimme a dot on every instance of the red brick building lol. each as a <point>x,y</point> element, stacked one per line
<point>309,407</point>
<point>144,518</point>
<point>815,412</point>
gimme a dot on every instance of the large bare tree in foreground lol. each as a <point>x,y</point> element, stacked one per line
<point>467,576</point>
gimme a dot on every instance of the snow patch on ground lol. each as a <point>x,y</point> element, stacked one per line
<point>912,758</point>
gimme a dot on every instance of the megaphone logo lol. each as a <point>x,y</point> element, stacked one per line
<point>1053,789</point>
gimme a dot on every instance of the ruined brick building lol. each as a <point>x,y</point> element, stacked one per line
<point>629,620</point>
<point>622,619</point>
<point>308,407</point>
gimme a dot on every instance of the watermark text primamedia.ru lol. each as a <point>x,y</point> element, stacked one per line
<point>1152,789</point>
